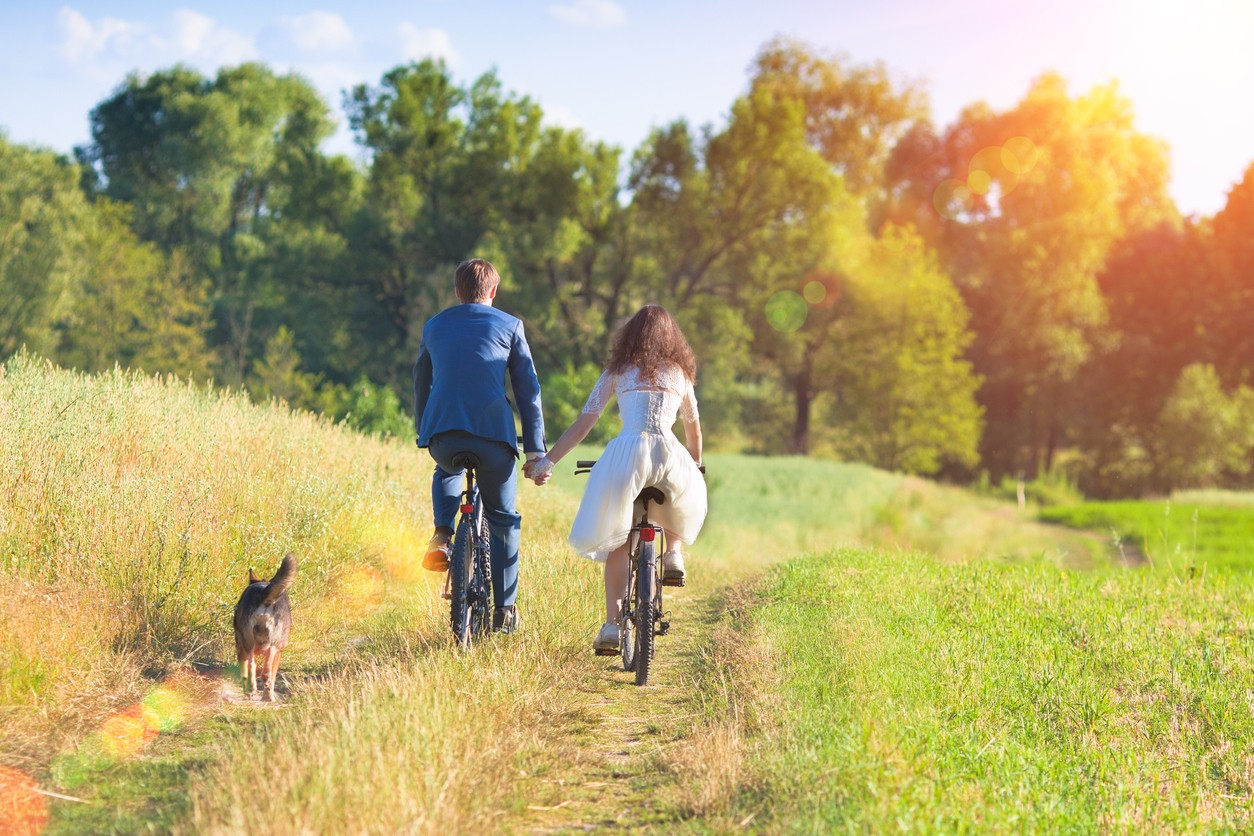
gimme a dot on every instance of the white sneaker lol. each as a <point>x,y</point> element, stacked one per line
<point>673,569</point>
<point>607,639</point>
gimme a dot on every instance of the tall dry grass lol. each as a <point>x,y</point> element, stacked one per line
<point>131,510</point>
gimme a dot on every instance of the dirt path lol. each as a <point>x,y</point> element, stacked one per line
<point>613,742</point>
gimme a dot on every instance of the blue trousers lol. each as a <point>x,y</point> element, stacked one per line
<point>498,486</point>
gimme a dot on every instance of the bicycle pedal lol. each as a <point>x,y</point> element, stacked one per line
<point>602,651</point>
<point>673,582</point>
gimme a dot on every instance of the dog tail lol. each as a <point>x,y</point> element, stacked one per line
<point>282,579</point>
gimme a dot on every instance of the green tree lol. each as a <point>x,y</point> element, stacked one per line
<point>1163,294</point>
<point>854,114</point>
<point>130,305</point>
<point>218,173</point>
<point>1204,434</point>
<point>1024,207</point>
<point>41,243</point>
<point>905,394</point>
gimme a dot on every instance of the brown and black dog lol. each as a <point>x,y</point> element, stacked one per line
<point>263,622</point>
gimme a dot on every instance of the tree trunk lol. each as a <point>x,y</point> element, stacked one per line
<point>803,397</point>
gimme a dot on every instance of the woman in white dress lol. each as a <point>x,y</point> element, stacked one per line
<point>651,370</point>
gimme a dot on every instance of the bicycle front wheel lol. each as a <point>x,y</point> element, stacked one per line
<point>646,585</point>
<point>460,567</point>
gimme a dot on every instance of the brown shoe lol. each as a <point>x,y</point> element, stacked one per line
<point>439,547</point>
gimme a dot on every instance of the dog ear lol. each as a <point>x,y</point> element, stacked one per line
<point>252,577</point>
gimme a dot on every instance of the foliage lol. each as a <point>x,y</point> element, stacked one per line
<point>565,393</point>
<point>906,396</point>
<point>1204,434</point>
<point>1024,207</point>
<point>205,233</point>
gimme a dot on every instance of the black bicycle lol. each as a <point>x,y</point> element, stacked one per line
<point>642,618</point>
<point>469,582</point>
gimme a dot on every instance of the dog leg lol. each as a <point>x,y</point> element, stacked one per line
<point>268,668</point>
<point>274,672</point>
<point>252,673</point>
<point>243,667</point>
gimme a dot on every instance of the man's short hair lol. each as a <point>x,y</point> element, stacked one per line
<point>476,280</point>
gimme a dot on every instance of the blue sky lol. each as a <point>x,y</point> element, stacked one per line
<point>616,68</point>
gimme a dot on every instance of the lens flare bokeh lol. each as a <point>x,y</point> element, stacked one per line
<point>992,173</point>
<point>23,810</point>
<point>125,734</point>
<point>952,199</point>
<point>786,311</point>
<point>815,292</point>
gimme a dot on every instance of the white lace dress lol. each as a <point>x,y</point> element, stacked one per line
<point>645,453</point>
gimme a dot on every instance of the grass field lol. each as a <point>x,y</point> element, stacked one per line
<point>1190,533</point>
<point>921,695</point>
<point>950,644</point>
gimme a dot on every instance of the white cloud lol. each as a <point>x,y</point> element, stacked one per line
<point>562,117</point>
<point>81,40</point>
<point>427,43</point>
<point>196,36</point>
<point>108,45</point>
<point>323,32</point>
<point>597,14</point>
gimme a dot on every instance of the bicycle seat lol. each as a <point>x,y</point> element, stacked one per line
<point>466,460</point>
<point>652,495</point>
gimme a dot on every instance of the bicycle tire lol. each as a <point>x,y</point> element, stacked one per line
<point>646,581</point>
<point>627,632</point>
<point>481,582</point>
<point>460,563</point>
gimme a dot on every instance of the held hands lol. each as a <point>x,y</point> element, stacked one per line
<point>538,469</point>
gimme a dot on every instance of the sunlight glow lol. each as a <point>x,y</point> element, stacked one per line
<point>359,589</point>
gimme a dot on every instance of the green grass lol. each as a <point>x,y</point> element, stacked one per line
<point>1171,536</point>
<point>921,695</point>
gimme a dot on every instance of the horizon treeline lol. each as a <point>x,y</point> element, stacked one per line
<point>1012,295</point>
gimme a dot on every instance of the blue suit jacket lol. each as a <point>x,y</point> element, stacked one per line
<point>459,379</point>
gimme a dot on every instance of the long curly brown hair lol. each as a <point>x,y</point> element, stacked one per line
<point>649,341</point>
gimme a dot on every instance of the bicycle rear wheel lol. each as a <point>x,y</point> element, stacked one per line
<point>460,566</point>
<point>481,582</point>
<point>646,580</point>
<point>627,630</point>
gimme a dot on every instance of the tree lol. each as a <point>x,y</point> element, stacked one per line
<point>1234,251</point>
<point>854,114</point>
<point>1204,434</point>
<point>905,395</point>
<point>41,214</point>
<point>1162,292</point>
<point>212,170</point>
<point>130,305</point>
<point>1024,207</point>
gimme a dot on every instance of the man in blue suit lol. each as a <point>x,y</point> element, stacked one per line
<point>460,407</point>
